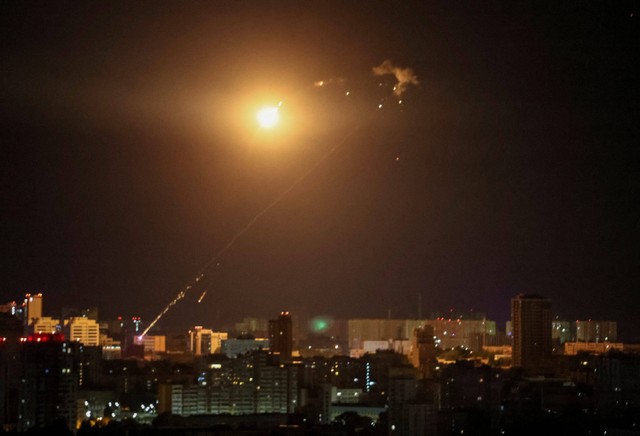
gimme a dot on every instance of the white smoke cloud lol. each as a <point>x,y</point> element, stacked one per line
<point>404,76</point>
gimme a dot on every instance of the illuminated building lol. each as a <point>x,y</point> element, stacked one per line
<point>345,396</point>
<point>252,325</point>
<point>10,307</point>
<point>83,330</point>
<point>242,345</point>
<point>32,308</point>
<point>89,362</point>
<point>248,384</point>
<point>205,341</point>
<point>457,332</point>
<point>531,322</point>
<point>189,400</point>
<point>573,348</point>
<point>596,331</point>
<point>281,336</point>
<point>46,324</point>
<point>409,415</point>
<point>423,350</point>
<point>137,324</point>
<point>584,331</point>
<point>276,385</point>
<point>373,346</point>
<point>152,344</point>
<point>111,352</point>
<point>49,381</point>
<point>449,333</point>
<point>92,404</point>
<point>561,331</point>
<point>116,326</point>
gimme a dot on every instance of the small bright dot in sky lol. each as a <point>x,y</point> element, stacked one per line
<point>268,117</point>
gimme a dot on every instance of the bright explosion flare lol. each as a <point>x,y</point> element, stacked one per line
<point>268,117</point>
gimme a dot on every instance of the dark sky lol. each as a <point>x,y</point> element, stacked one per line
<point>129,157</point>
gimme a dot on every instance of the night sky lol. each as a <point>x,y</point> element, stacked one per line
<point>130,156</point>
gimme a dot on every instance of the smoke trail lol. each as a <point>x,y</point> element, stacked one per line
<point>277,200</point>
<point>339,81</point>
<point>246,228</point>
<point>178,297</point>
<point>404,76</point>
<point>173,302</point>
<point>202,296</point>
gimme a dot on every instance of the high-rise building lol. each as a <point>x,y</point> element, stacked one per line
<point>561,331</point>
<point>249,384</point>
<point>11,330</point>
<point>278,385</point>
<point>448,332</point>
<point>45,324</point>
<point>408,411</point>
<point>242,345</point>
<point>152,343</point>
<point>49,381</point>
<point>531,321</point>
<point>205,341</point>
<point>423,350</point>
<point>32,308</point>
<point>252,325</point>
<point>596,331</point>
<point>83,330</point>
<point>281,336</point>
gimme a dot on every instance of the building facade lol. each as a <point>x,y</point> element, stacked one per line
<point>251,383</point>
<point>236,346</point>
<point>281,336</point>
<point>49,381</point>
<point>32,308</point>
<point>83,330</point>
<point>596,331</point>
<point>205,341</point>
<point>45,324</point>
<point>531,320</point>
<point>448,332</point>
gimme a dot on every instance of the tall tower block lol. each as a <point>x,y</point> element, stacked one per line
<point>32,308</point>
<point>281,336</point>
<point>531,320</point>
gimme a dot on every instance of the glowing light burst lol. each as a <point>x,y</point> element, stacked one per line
<point>268,117</point>
<point>319,324</point>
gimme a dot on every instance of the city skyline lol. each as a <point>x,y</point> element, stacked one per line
<point>84,324</point>
<point>130,157</point>
<point>391,378</point>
